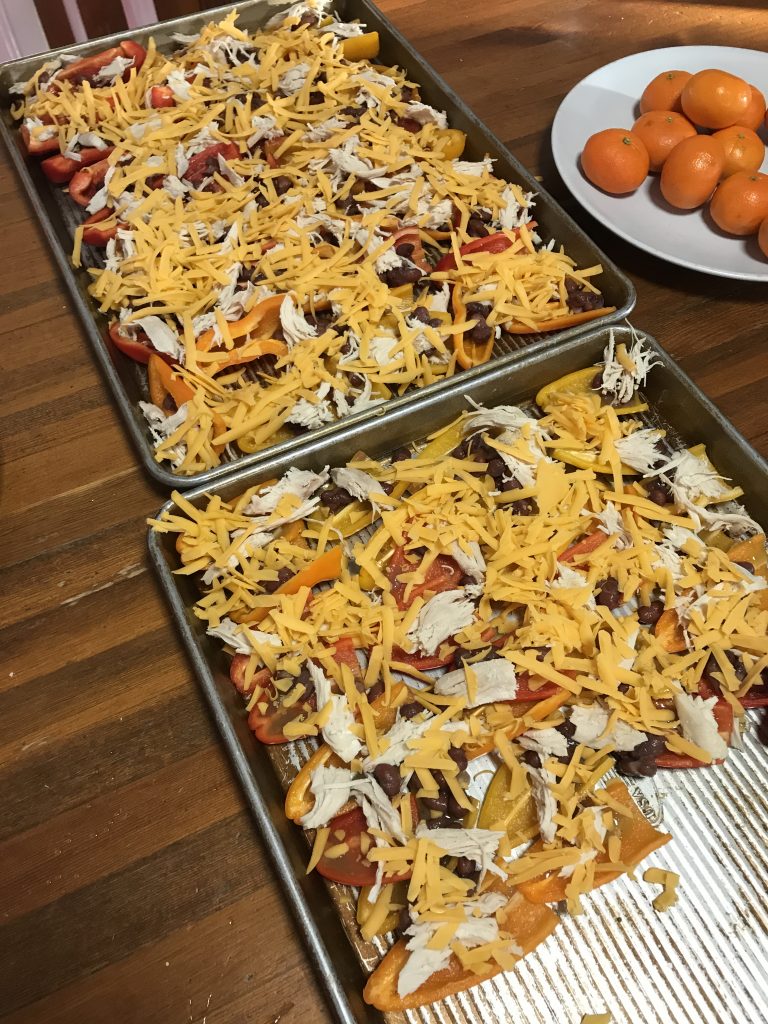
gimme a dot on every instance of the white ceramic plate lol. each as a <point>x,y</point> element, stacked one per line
<point>608,98</point>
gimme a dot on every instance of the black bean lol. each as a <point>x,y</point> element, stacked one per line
<point>510,483</point>
<point>659,494</point>
<point>497,468</point>
<point>316,97</point>
<point>409,123</point>
<point>349,206</point>
<point>476,228</point>
<point>308,18</point>
<point>411,710</point>
<point>531,758</point>
<point>454,807</point>
<point>282,183</point>
<point>405,250</point>
<point>642,760</point>
<point>399,276</point>
<point>408,94</point>
<point>649,614</point>
<point>465,868</point>
<point>480,333</point>
<point>375,691</point>
<point>747,566</point>
<point>420,313</point>
<point>609,594</point>
<point>436,803</point>
<point>283,575</point>
<point>401,454</point>
<point>566,728</point>
<point>357,380</point>
<point>336,498</point>
<point>388,777</point>
<point>434,322</point>
<point>404,920</point>
<point>458,756</point>
<point>580,299</point>
<point>737,661</point>
<point>524,507</point>
<point>480,309</point>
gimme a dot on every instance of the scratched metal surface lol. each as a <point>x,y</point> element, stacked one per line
<point>59,218</point>
<point>702,962</point>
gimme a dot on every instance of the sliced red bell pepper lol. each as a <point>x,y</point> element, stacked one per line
<point>723,713</point>
<point>98,236</point>
<point>409,235</point>
<point>422,662</point>
<point>344,653</point>
<point>87,181</point>
<point>353,867</point>
<point>269,146</point>
<point>756,698</point>
<point>443,574</point>
<point>237,670</point>
<point>138,348</point>
<point>135,50</point>
<point>38,147</point>
<point>495,243</point>
<point>161,96</point>
<point>585,546</point>
<point>205,163</point>
<point>60,169</point>
<point>528,695</point>
<point>268,725</point>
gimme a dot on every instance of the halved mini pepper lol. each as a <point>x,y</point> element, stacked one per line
<point>161,96</point>
<point>86,182</point>
<point>94,234</point>
<point>262,321</point>
<point>87,68</point>
<point>163,380</point>
<point>36,146</point>
<point>324,568</point>
<point>364,47</point>
<point>559,323</point>
<point>498,242</point>
<point>528,925</point>
<point>60,169</point>
<point>468,353</point>
<point>638,839</point>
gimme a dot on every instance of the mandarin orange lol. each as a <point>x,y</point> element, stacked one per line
<point>663,92</point>
<point>615,160</point>
<point>660,131</point>
<point>715,99</point>
<point>740,203</point>
<point>753,117</point>
<point>762,237</point>
<point>744,150</point>
<point>691,171</point>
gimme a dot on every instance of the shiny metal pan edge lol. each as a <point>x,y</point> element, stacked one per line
<point>58,218</point>
<point>701,963</point>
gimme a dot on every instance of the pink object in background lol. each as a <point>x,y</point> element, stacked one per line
<point>21,32</point>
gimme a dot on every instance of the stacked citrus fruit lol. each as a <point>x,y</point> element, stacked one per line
<point>699,132</point>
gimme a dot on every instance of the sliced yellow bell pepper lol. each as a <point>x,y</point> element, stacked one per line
<point>579,384</point>
<point>450,142</point>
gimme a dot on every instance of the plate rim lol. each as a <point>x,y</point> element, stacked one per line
<point>568,177</point>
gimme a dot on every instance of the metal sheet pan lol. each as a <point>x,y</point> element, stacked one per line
<point>701,963</point>
<point>59,217</point>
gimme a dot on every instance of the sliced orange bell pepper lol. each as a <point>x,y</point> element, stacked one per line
<point>529,925</point>
<point>326,567</point>
<point>263,320</point>
<point>297,801</point>
<point>247,353</point>
<point>163,380</point>
<point>559,323</point>
<point>468,353</point>
<point>638,839</point>
<point>584,546</point>
<point>669,632</point>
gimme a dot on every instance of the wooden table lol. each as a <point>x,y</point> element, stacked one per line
<point>132,883</point>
